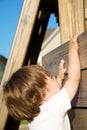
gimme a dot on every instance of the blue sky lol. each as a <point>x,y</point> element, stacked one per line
<point>9,16</point>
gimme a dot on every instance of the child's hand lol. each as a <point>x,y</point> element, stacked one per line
<point>73,44</point>
<point>61,72</point>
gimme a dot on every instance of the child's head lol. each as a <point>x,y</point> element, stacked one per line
<point>24,91</point>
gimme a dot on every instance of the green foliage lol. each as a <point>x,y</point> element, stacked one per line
<point>24,122</point>
<point>1,73</point>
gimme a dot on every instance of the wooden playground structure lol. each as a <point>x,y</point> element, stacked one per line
<point>72,18</point>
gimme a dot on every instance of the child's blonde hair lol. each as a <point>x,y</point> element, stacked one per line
<point>24,91</point>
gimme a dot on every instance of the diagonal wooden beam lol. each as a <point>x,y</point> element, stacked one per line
<point>19,48</point>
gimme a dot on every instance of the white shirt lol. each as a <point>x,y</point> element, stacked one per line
<point>53,115</point>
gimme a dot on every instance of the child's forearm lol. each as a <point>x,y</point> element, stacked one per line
<point>74,65</point>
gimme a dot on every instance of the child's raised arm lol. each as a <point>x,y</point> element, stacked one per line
<point>72,83</point>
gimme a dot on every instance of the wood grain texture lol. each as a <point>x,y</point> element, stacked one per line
<point>19,48</point>
<point>80,100</point>
<point>71,18</point>
<point>51,60</point>
<point>78,119</point>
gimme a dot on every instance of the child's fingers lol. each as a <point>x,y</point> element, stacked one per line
<point>62,62</point>
<point>62,66</point>
<point>74,39</point>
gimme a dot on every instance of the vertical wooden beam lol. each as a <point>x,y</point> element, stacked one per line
<point>85,2</point>
<point>19,48</point>
<point>71,18</point>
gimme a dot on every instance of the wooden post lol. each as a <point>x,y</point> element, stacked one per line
<point>78,115</point>
<point>71,18</point>
<point>19,48</point>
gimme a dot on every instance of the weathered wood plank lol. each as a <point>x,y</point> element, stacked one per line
<point>80,99</point>
<point>51,60</point>
<point>71,18</point>
<point>78,119</point>
<point>19,48</point>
